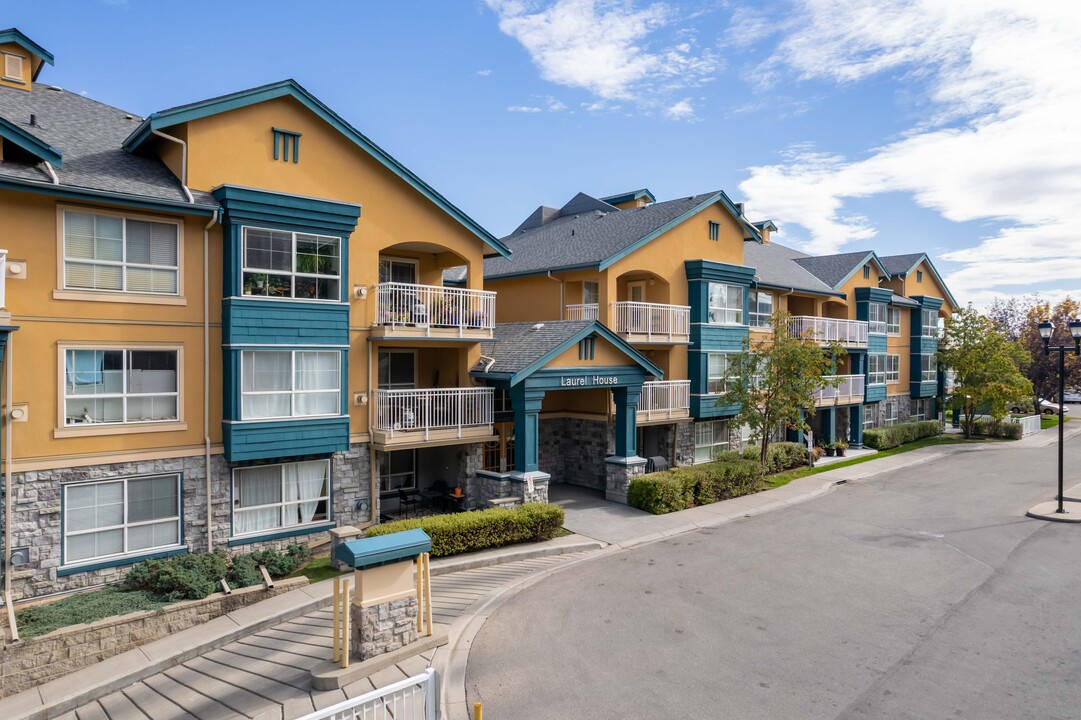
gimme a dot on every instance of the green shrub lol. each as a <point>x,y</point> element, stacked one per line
<point>997,428</point>
<point>686,487</point>
<point>780,456</point>
<point>83,608</point>
<point>479,529</point>
<point>662,492</point>
<point>727,456</point>
<point>182,577</point>
<point>885,438</point>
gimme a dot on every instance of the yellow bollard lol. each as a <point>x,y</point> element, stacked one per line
<point>478,711</point>
<point>345,626</point>
<point>337,583</point>
<point>427,592</point>
<point>420,592</point>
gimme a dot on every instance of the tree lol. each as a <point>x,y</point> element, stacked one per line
<point>988,367</point>
<point>1012,314</point>
<point>778,378</point>
<point>1043,369</point>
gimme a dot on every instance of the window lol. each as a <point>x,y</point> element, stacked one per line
<point>399,271</point>
<point>876,369</point>
<point>714,230</point>
<point>876,316</point>
<point>725,304</point>
<point>499,453</point>
<point>13,67</point>
<point>868,417</point>
<point>291,265</point>
<point>893,368</point>
<point>866,272</point>
<point>397,369</point>
<point>891,414</point>
<point>710,438</point>
<point>760,306</point>
<point>281,384</point>
<point>590,292</point>
<point>119,386</point>
<point>929,321</point>
<point>919,276</point>
<point>397,471</point>
<point>117,518</point>
<point>718,373</point>
<point>270,497</point>
<point>109,252</point>
<point>893,321</point>
<point>928,368</point>
<point>921,409</point>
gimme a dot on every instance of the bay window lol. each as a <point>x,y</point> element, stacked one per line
<point>289,383</point>
<point>876,316</point>
<point>718,373</point>
<point>272,497</point>
<point>120,254</point>
<point>930,323</point>
<point>928,368</point>
<point>105,385</point>
<point>118,518</point>
<point>876,369</point>
<point>725,304</point>
<point>291,265</point>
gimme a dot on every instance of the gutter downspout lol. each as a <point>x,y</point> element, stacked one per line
<point>560,292</point>
<point>9,455</point>
<point>373,470</point>
<point>206,376</point>
<point>183,162</point>
<point>52,173</point>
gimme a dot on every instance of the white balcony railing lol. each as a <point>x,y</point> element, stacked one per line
<point>3,278</point>
<point>665,399</point>
<point>427,409</point>
<point>585,311</point>
<point>830,330</point>
<point>655,321</point>
<point>849,390</point>
<point>433,306</point>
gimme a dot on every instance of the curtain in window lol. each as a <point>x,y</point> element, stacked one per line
<point>304,482</point>
<point>265,372</point>
<point>257,486</point>
<point>317,371</point>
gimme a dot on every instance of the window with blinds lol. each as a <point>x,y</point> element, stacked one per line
<point>117,254</point>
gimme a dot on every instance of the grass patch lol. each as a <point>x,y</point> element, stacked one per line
<point>1050,421</point>
<point>317,569</point>
<point>784,478</point>
<point>84,608</point>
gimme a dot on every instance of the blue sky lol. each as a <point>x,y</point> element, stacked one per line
<point>894,125</point>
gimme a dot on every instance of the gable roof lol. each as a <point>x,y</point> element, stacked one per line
<point>902,265</point>
<point>293,89</point>
<point>597,238</point>
<point>30,143</point>
<point>521,348</point>
<point>628,196</point>
<point>14,35</point>
<point>835,270</point>
<point>776,267</point>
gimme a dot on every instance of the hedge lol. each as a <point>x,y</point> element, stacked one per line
<point>686,487</point>
<point>780,456</point>
<point>464,532</point>
<point>885,438</point>
<point>194,576</point>
<point>997,428</point>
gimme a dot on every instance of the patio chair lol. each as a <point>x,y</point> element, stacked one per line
<point>407,500</point>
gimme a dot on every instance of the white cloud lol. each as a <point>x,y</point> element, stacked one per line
<point>524,109</point>
<point>554,105</point>
<point>682,110</point>
<point>484,73</point>
<point>1002,143</point>
<point>602,46</point>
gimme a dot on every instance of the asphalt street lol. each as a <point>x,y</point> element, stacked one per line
<point>922,593</point>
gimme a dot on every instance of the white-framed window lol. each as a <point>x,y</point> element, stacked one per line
<point>295,265</point>
<point>120,254</point>
<point>868,417</point>
<point>710,438</point>
<point>891,414</point>
<point>397,471</point>
<point>929,323</point>
<point>273,497</point>
<point>590,292</point>
<point>893,321</point>
<point>120,517</point>
<point>893,368</point>
<point>117,385</point>
<point>921,409</point>
<point>397,270</point>
<point>718,373</point>
<point>289,383</point>
<point>876,369</point>
<point>876,316</point>
<point>725,304</point>
<point>13,67</point>
<point>928,368</point>
<point>760,308</point>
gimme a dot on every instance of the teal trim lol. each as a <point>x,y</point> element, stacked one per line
<point>764,224</point>
<point>14,35</point>
<point>714,271</point>
<point>616,376</point>
<point>118,562</point>
<point>31,144</point>
<point>384,549</point>
<point>809,291</point>
<point>928,302</point>
<point>282,140</point>
<point>626,399</point>
<point>870,256</point>
<point>252,206</point>
<point>877,343</point>
<point>869,294</point>
<point>625,197</point>
<point>718,197</point>
<point>291,88</point>
<point>275,439</point>
<point>306,530</point>
<point>103,196</point>
<point>292,324</point>
<point>855,426</point>
<point>919,389</point>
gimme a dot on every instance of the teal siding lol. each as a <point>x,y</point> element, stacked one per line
<point>923,389</point>
<point>876,344</point>
<point>926,345</point>
<point>281,322</point>
<point>285,438</point>
<point>705,407</point>
<point>874,393</point>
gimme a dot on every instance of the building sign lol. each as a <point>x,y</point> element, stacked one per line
<point>588,381</point>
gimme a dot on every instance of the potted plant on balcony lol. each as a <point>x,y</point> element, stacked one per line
<point>254,284</point>
<point>840,446</point>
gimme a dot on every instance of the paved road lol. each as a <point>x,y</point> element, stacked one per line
<point>921,593</point>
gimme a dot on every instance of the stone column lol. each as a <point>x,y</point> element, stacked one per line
<point>532,484</point>
<point>384,610</point>
<point>625,464</point>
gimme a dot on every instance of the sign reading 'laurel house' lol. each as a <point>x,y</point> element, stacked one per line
<point>588,381</point>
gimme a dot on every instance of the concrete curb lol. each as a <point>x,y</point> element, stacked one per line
<point>1071,503</point>
<point>565,545</point>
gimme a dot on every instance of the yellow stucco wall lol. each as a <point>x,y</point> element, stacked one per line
<point>29,62</point>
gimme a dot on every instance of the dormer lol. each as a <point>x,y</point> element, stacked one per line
<point>21,59</point>
<point>631,200</point>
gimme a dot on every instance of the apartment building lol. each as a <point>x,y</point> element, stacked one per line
<point>225,327</point>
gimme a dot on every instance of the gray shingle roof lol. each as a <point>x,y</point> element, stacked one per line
<point>902,300</point>
<point>519,345</point>
<point>775,266</point>
<point>832,269</point>
<point>585,239</point>
<point>89,135</point>
<point>900,264</point>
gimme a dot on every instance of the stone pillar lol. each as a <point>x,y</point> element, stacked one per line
<point>384,610</point>
<point>618,474</point>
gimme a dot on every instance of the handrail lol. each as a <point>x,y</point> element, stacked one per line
<point>654,320</point>
<point>850,386</point>
<point>426,409</point>
<point>434,306</point>
<point>415,698</point>
<point>829,330</point>
<point>582,311</point>
<point>665,398</point>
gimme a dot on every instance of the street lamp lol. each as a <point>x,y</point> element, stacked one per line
<point>1046,329</point>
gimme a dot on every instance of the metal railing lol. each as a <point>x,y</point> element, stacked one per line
<point>651,319</point>
<point>829,330</point>
<point>415,698</point>
<point>850,389</point>
<point>433,306</point>
<point>426,409</point>
<point>584,311</point>
<point>665,398</point>
<point>3,278</point>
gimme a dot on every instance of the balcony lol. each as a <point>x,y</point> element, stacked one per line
<point>642,322</point>
<point>585,311</point>
<point>849,333</point>
<point>849,391</point>
<point>664,401</point>
<point>405,310</point>
<point>420,415</point>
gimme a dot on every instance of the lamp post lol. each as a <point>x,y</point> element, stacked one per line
<point>1046,329</point>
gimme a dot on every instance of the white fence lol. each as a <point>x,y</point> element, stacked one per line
<point>587,311</point>
<point>434,306</point>
<point>415,698</point>
<point>433,408</point>
<point>829,330</point>
<point>654,320</point>
<point>1029,424</point>
<point>849,390</point>
<point>665,398</point>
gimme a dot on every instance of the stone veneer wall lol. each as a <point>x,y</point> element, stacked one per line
<point>383,628</point>
<point>904,409</point>
<point>572,450</point>
<point>36,513</point>
<point>38,660</point>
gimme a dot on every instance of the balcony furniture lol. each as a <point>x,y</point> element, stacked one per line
<point>407,500</point>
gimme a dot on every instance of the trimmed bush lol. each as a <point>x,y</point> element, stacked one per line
<point>83,608</point>
<point>780,456</point>
<point>182,577</point>
<point>659,493</point>
<point>885,438</point>
<point>686,487</point>
<point>997,428</point>
<point>479,529</point>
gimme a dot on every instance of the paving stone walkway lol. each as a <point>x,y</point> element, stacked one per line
<point>268,674</point>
